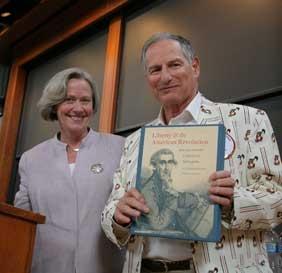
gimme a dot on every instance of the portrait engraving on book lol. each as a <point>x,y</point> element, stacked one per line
<point>173,169</point>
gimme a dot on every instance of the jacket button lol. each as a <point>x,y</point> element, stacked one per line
<point>262,262</point>
<point>215,270</point>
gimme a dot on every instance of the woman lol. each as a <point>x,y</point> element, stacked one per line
<point>68,178</point>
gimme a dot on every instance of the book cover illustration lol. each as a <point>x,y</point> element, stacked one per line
<point>173,168</point>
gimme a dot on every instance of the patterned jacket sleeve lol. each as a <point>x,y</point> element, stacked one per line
<point>258,196</point>
<point>123,179</point>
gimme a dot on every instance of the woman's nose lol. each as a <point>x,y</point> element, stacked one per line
<point>77,105</point>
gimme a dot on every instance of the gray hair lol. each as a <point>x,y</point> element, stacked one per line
<point>186,46</point>
<point>155,158</point>
<point>55,91</point>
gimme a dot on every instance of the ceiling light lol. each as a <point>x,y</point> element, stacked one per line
<point>6,14</point>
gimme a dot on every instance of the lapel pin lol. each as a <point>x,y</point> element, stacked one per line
<point>229,146</point>
<point>97,168</point>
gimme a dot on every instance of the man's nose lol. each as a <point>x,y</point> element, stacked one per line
<point>165,75</point>
<point>165,165</point>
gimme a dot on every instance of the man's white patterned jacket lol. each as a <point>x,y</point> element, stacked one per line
<point>255,166</point>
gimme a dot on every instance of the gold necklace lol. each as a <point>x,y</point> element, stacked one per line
<point>73,149</point>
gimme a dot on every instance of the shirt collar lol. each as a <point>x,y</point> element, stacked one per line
<point>189,115</point>
<point>86,141</point>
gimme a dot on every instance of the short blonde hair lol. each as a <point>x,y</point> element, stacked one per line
<point>55,91</point>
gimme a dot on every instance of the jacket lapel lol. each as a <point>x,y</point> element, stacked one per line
<point>209,113</point>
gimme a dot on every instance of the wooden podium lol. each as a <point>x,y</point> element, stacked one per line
<point>17,235</point>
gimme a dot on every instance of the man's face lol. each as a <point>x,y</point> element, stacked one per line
<point>173,80</point>
<point>164,167</point>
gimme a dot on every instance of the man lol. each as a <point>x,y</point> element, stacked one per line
<point>158,192</point>
<point>163,162</point>
<point>170,209</point>
<point>172,71</point>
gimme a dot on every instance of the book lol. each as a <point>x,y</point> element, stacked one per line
<point>174,164</point>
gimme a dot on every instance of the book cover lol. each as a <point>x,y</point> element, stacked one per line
<point>174,164</point>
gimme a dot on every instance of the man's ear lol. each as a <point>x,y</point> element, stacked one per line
<point>196,66</point>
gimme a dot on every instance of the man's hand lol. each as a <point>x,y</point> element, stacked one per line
<point>131,205</point>
<point>222,188</point>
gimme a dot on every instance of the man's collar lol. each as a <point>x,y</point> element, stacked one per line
<point>190,113</point>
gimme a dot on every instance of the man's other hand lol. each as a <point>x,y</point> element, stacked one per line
<point>130,206</point>
<point>221,188</point>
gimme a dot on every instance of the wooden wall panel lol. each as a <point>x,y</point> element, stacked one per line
<point>17,238</point>
<point>10,125</point>
<point>111,77</point>
<point>62,31</point>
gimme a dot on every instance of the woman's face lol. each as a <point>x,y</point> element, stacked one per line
<point>75,112</point>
